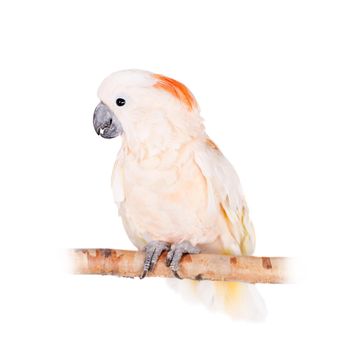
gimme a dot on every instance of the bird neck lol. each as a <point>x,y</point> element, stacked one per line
<point>150,138</point>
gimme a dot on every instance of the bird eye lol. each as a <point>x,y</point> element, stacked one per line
<point>120,102</point>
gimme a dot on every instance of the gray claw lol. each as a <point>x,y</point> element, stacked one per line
<point>175,254</point>
<point>153,250</point>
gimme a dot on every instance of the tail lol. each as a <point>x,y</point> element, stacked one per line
<point>241,301</point>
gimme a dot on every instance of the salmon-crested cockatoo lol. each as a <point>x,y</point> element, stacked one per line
<point>174,188</point>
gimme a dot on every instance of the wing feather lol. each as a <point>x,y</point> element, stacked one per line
<point>225,195</point>
<point>117,179</point>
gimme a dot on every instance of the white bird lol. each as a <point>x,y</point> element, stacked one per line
<point>174,188</point>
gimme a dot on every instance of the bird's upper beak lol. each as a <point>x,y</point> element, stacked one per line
<point>106,124</point>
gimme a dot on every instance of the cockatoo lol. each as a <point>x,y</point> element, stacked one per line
<point>174,189</point>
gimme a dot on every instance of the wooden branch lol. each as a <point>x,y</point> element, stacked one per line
<point>213,267</point>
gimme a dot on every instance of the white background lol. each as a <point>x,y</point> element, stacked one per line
<point>272,79</point>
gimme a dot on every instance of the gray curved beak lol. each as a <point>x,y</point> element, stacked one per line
<point>106,124</point>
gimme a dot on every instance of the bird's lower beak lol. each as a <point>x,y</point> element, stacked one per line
<point>106,124</point>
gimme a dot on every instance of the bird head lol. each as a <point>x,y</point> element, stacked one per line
<point>145,107</point>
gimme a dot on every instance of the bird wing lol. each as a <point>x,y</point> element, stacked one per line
<point>225,195</point>
<point>117,181</point>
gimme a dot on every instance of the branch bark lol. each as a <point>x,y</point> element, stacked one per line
<point>125,263</point>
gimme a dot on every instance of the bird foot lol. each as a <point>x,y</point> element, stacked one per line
<point>175,254</point>
<point>153,251</point>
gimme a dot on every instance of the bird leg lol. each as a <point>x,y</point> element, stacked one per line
<point>153,251</point>
<point>175,254</point>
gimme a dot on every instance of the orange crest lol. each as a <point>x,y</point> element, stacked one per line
<point>177,89</point>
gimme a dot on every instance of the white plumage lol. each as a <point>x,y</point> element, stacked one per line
<point>172,183</point>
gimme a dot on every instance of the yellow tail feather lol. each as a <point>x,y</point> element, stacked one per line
<point>238,300</point>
